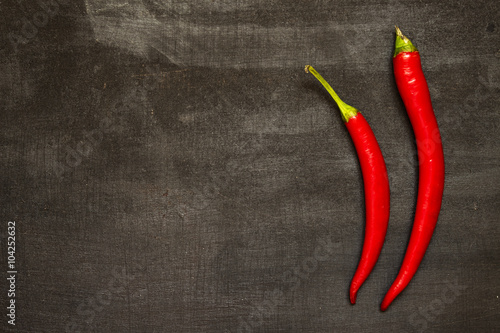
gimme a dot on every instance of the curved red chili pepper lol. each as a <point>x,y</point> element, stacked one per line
<point>377,196</point>
<point>376,184</point>
<point>415,94</point>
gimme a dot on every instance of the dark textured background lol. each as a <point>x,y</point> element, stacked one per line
<point>171,168</point>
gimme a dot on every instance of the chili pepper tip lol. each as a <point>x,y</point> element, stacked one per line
<point>398,32</point>
<point>403,44</point>
<point>352,296</point>
<point>307,69</point>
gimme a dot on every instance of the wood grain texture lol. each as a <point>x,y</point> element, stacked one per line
<point>171,168</point>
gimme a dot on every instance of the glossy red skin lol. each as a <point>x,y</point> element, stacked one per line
<point>414,91</point>
<point>377,195</point>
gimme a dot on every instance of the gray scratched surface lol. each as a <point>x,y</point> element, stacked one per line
<point>171,168</point>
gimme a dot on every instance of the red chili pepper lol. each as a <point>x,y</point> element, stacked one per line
<point>413,89</point>
<point>376,185</point>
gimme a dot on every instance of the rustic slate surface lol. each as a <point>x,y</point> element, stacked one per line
<point>171,168</point>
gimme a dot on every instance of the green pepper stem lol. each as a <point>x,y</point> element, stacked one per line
<point>403,44</point>
<point>346,111</point>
